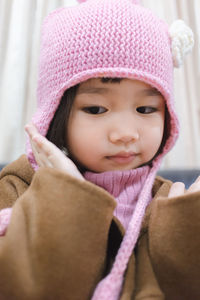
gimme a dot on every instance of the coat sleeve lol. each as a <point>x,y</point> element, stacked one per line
<point>147,287</point>
<point>55,245</point>
<point>174,245</point>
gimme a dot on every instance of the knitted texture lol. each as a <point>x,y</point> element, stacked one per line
<point>124,186</point>
<point>106,38</point>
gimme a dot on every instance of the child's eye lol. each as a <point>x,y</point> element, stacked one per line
<point>146,109</point>
<point>95,110</point>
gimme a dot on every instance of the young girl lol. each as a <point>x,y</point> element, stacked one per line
<point>89,220</point>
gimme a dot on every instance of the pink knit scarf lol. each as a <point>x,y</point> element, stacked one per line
<point>124,186</point>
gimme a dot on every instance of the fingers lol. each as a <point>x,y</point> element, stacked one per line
<point>195,187</point>
<point>177,189</point>
<point>31,130</point>
<point>44,151</point>
<point>48,155</point>
<point>37,141</point>
<point>40,145</point>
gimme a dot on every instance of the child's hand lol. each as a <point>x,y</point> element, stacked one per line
<point>178,188</point>
<point>48,155</point>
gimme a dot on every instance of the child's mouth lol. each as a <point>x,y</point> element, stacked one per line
<point>122,158</point>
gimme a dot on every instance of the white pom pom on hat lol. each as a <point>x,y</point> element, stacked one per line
<point>182,41</point>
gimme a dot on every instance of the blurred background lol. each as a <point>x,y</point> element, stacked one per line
<point>20,24</point>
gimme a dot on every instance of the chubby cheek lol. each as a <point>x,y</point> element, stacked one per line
<point>83,143</point>
<point>152,140</point>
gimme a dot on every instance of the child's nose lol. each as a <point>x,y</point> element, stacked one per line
<point>124,135</point>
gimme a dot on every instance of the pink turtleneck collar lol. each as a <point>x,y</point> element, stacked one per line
<point>124,186</point>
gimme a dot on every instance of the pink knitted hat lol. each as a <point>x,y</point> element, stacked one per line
<point>109,38</point>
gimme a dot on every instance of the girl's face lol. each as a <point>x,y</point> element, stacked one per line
<point>115,126</point>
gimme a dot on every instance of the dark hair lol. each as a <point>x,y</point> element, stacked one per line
<point>56,132</point>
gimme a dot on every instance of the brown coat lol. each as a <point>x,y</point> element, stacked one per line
<point>62,240</point>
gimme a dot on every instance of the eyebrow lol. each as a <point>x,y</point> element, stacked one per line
<point>151,92</point>
<point>102,90</point>
<point>89,90</point>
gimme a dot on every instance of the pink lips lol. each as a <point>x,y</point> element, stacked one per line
<point>122,157</point>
